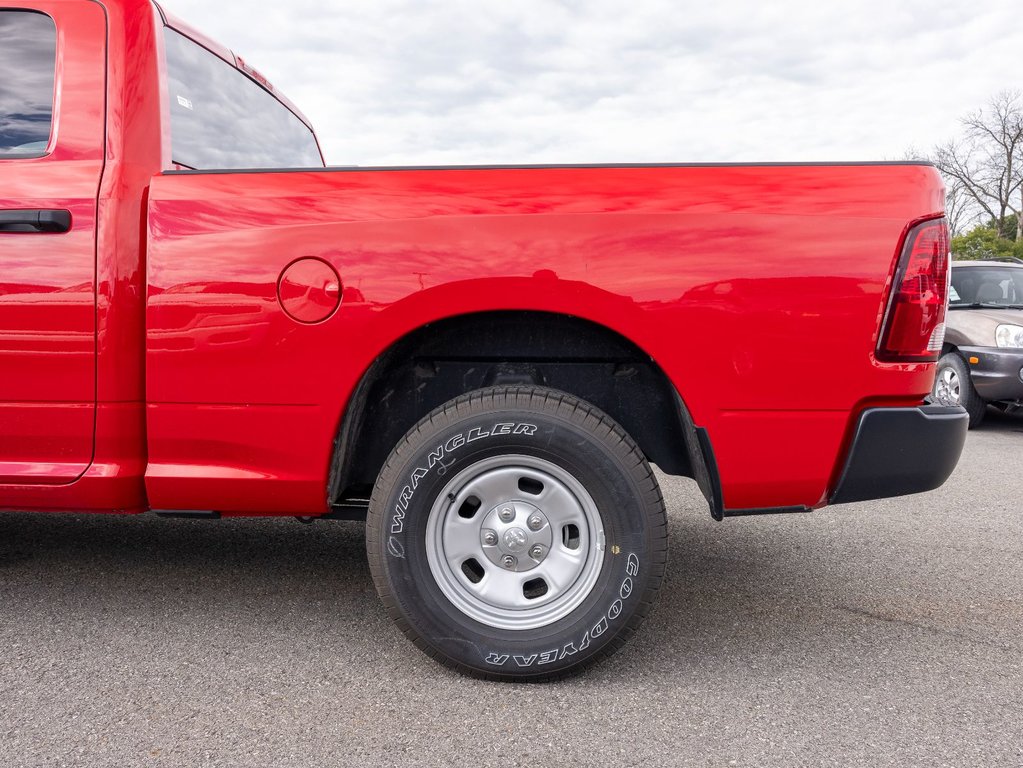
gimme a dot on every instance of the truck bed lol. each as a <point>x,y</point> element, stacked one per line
<point>757,289</point>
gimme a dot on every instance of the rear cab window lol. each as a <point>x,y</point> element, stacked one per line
<point>28,56</point>
<point>222,119</point>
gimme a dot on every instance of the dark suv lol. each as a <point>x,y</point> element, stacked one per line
<point>982,359</point>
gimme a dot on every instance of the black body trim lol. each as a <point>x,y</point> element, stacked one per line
<point>898,451</point>
<point>350,509</point>
<point>35,221</point>
<point>715,498</point>
<point>701,457</point>
<point>554,166</point>
<point>188,514</point>
<point>765,511</point>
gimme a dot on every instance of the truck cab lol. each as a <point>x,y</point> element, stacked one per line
<point>88,119</point>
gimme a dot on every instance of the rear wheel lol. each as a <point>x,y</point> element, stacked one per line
<point>953,386</point>
<point>517,533</point>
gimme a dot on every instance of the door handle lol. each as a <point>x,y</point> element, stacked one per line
<point>34,221</point>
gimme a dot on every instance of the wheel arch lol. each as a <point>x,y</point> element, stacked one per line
<point>441,360</point>
<point>949,348</point>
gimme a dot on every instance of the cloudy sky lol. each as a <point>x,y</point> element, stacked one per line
<point>476,81</point>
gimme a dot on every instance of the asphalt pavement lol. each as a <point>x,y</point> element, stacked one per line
<point>885,633</point>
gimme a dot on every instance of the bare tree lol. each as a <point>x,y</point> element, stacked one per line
<point>960,208</point>
<point>985,166</point>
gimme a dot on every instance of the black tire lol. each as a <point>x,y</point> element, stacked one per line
<point>521,424</point>
<point>968,397</point>
<point>1008,408</point>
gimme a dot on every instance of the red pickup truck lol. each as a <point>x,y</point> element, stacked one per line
<point>198,318</point>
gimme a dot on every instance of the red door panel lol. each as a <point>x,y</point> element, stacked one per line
<point>48,277</point>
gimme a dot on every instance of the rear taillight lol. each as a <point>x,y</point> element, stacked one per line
<point>914,325</point>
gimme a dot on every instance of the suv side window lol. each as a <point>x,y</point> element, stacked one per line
<point>28,60</point>
<point>222,119</point>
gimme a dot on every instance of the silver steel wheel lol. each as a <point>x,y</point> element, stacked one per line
<point>947,388</point>
<point>515,542</point>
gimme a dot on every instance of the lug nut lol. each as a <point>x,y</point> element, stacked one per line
<point>489,538</point>
<point>507,514</point>
<point>537,551</point>
<point>509,562</point>
<point>535,521</point>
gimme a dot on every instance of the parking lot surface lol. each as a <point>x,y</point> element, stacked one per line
<point>888,633</point>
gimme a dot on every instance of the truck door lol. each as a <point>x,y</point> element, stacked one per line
<point>52,112</point>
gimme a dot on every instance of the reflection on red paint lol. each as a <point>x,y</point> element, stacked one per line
<point>757,290</point>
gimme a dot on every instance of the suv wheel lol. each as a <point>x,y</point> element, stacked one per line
<point>953,386</point>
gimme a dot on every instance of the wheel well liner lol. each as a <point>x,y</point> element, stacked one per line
<point>442,360</point>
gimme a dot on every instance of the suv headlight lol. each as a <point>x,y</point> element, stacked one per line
<point>1009,336</point>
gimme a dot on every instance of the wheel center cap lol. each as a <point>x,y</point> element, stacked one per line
<point>515,540</point>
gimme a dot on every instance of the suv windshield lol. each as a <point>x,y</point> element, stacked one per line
<point>984,286</point>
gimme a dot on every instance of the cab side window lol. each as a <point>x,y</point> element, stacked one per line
<point>222,119</point>
<point>28,56</point>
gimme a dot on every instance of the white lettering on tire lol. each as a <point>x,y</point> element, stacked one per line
<point>437,456</point>
<point>598,629</point>
<point>395,548</point>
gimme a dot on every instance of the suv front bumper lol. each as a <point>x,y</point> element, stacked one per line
<point>998,372</point>
<point>896,451</point>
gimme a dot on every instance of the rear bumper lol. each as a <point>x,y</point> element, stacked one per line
<point>998,373</point>
<point>896,451</point>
